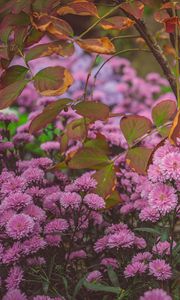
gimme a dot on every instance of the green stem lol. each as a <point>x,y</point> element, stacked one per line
<point>125,37</point>
<point>99,20</point>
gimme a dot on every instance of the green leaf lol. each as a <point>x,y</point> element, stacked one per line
<point>93,110</point>
<point>62,48</point>
<point>134,127</point>
<point>113,200</point>
<point>106,181</point>
<point>89,158</point>
<point>137,158</point>
<point>53,81</point>
<point>149,230</point>
<point>13,74</point>
<point>163,112</point>
<point>99,142</point>
<point>102,288</point>
<point>48,115</point>
<point>113,277</point>
<point>10,93</point>
<point>76,130</point>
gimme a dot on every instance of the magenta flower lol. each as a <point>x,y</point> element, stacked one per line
<point>135,268</point>
<point>14,278</point>
<point>14,294</point>
<point>110,262</point>
<point>17,200</point>
<point>142,257</point>
<point>156,294</point>
<point>170,166</point>
<point>101,244</point>
<point>19,226</point>
<point>68,199</point>
<point>94,201</point>
<point>50,146</point>
<point>77,255</point>
<point>124,239</point>
<point>55,226</point>
<point>13,253</point>
<point>163,198</point>
<point>162,248</point>
<point>33,245</point>
<point>160,269</point>
<point>94,276</point>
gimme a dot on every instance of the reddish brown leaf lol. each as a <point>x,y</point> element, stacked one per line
<point>163,112</point>
<point>171,23</point>
<point>136,9</point>
<point>161,15</point>
<point>137,158</point>
<point>118,23</point>
<point>10,93</point>
<point>174,134</point>
<point>48,115</point>
<point>170,5</point>
<point>76,129</point>
<point>12,74</point>
<point>113,200</point>
<point>101,45</point>
<point>82,8</point>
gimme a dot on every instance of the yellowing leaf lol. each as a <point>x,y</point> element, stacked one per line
<point>53,81</point>
<point>82,8</point>
<point>101,45</point>
<point>118,23</point>
<point>174,134</point>
<point>57,27</point>
<point>136,9</point>
<point>62,48</point>
<point>48,115</point>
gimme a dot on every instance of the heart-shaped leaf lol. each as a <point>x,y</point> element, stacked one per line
<point>113,200</point>
<point>53,81</point>
<point>88,158</point>
<point>101,45</point>
<point>134,127</point>
<point>163,112</point>
<point>93,110</point>
<point>137,158</point>
<point>106,181</point>
<point>10,93</point>
<point>48,115</point>
<point>76,129</point>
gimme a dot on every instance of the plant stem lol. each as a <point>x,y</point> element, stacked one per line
<point>99,20</point>
<point>177,60</point>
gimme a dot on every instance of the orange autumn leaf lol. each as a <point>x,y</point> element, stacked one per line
<point>174,134</point>
<point>118,23</point>
<point>100,45</point>
<point>82,8</point>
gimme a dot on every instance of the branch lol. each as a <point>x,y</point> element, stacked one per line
<point>155,49</point>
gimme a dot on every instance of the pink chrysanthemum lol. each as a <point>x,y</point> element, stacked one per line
<point>163,198</point>
<point>124,239</point>
<point>33,174</point>
<point>160,269</point>
<point>68,199</point>
<point>77,255</point>
<point>12,254</point>
<point>84,183</point>
<point>12,185</point>
<point>50,146</point>
<point>162,248</point>
<point>142,257</point>
<point>135,268</point>
<point>35,212</point>
<point>53,240</point>
<point>33,245</point>
<point>94,201</point>
<point>101,244</point>
<point>17,200</point>
<point>19,226</point>
<point>110,262</point>
<point>149,214</point>
<point>14,278</point>
<point>94,276</point>
<point>56,225</point>
<point>14,294</point>
<point>116,228</point>
<point>170,166</point>
<point>156,294</point>
<point>140,243</point>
